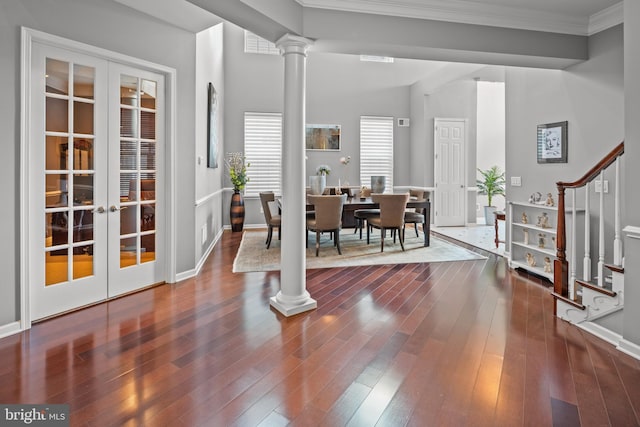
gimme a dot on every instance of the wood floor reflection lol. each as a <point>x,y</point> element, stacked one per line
<point>442,344</point>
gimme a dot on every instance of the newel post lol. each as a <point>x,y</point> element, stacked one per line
<point>561,267</point>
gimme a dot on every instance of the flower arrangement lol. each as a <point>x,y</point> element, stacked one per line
<point>323,170</point>
<point>345,160</point>
<point>237,170</point>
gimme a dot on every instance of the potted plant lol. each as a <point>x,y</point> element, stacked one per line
<point>237,167</point>
<point>492,184</point>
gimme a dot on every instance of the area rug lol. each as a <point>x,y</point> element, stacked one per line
<point>253,254</point>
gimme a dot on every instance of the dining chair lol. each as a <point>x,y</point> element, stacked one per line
<point>327,218</point>
<point>415,216</point>
<point>392,207</point>
<point>272,220</point>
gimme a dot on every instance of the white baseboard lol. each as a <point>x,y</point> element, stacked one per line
<point>10,329</point>
<point>601,332</point>
<point>195,271</point>
<point>629,348</point>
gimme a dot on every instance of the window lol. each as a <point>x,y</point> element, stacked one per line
<point>256,44</point>
<point>263,150</point>
<point>376,149</point>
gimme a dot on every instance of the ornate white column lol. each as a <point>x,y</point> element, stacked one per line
<point>293,297</point>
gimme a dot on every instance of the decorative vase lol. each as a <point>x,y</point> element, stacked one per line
<point>317,184</point>
<point>236,213</point>
<point>378,184</point>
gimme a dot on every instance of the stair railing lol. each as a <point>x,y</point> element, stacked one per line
<point>563,283</point>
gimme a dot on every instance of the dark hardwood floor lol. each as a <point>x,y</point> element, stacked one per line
<point>444,344</point>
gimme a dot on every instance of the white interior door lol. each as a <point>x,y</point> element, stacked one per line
<point>136,208</point>
<point>94,145</point>
<point>450,194</point>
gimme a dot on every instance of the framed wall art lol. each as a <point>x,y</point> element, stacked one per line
<point>552,142</point>
<point>212,127</point>
<point>322,137</point>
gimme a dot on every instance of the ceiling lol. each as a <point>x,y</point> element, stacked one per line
<point>580,17</point>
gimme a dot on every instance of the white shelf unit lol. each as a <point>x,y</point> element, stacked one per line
<point>517,246</point>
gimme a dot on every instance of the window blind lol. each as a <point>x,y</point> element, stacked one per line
<point>376,149</point>
<point>256,44</point>
<point>263,150</point>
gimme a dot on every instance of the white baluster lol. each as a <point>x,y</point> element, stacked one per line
<point>586,264</point>
<point>601,234</point>
<point>617,241</point>
<point>572,255</point>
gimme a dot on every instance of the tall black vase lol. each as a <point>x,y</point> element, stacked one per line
<point>237,211</point>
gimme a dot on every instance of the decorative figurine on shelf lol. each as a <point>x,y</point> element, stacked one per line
<point>541,240</point>
<point>531,260</point>
<point>547,264</point>
<point>550,201</point>
<point>525,220</point>
<point>543,220</point>
<point>535,198</point>
<point>526,236</point>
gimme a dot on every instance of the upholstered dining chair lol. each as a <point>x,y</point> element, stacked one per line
<point>328,217</point>
<point>271,219</point>
<point>392,207</point>
<point>414,216</point>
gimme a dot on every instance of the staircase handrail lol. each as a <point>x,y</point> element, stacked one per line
<point>561,267</point>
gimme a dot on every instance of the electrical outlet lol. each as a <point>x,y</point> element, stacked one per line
<point>204,233</point>
<point>597,184</point>
<point>516,181</point>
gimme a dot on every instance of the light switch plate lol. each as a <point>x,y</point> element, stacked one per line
<point>598,184</point>
<point>516,181</point>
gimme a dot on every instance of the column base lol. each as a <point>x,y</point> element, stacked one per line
<point>291,308</point>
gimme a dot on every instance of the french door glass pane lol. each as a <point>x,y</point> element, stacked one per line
<point>69,177</point>
<point>137,170</point>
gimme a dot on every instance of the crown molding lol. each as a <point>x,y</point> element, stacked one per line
<point>606,18</point>
<point>465,12</point>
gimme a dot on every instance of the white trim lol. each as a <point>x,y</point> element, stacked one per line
<point>601,332</point>
<point>10,329</point>
<point>632,232</point>
<point>209,197</point>
<point>464,12</point>
<point>206,254</point>
<point>30,36</point>
<point>629,348</point>
<point>606,18</point>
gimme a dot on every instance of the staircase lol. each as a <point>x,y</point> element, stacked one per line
<point>592,299</point>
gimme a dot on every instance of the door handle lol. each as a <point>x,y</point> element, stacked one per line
<point>99,209</point>
<point>114,208</point>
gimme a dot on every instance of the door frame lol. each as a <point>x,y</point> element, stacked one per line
<point>465,159</point>
<point>30,36</point>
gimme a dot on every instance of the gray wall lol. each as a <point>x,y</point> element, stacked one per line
<point>631,217</point>
<point>111,26</point>
<point>208,181</point>
<point>590,96</point>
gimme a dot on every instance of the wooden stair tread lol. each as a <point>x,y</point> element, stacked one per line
<point>596,288</point>
<point>615,267</point>
<point>569,301</point>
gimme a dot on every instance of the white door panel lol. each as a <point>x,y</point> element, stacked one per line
<point>449,172</point>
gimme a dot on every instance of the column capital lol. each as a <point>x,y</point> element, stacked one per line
<point>290,43</point>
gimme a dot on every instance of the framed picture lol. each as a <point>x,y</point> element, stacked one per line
<point>552,143</point>
<point>322,137</point>
<point>212,127</point>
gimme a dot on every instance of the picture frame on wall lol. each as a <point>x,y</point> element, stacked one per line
<point>212,127</point>
<point>552,142</point>
<point>322,137</point>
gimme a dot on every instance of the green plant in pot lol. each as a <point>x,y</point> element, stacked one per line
<point>491,184</point>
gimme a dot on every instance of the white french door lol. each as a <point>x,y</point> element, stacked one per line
<point>95,141</point>
<point>450,194</point>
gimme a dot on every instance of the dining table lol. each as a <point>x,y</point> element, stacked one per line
<point>352,204</point>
